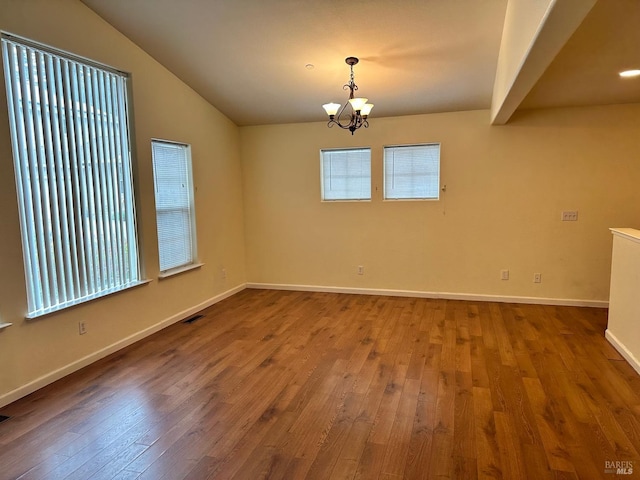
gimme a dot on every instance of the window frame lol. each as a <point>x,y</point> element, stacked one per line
<point>57,145</point>
<point>193,261</point>
<point>323,191</point>
<point>386,148</point>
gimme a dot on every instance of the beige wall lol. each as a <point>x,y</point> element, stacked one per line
<point>164,108</point>
<point>506,189</point>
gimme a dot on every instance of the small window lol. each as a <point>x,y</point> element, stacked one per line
<point>346,174</point>
<point>69,123</point>
<point>175,213</point>
<point>412,172</point>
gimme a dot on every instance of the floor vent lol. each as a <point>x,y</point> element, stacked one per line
<point>193,319</point>
<point>3,418</point>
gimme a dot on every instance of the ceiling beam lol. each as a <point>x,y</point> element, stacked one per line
<point>534,32</point>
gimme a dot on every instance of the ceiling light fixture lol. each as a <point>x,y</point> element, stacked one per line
<point>630,73</point>
<point>360,109</point>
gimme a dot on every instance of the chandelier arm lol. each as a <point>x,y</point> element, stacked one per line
<point>337,117</point>
<point>356,122</point>
<point>352,122</point>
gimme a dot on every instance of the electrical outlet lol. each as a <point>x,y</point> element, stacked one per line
<point>360,270</point>
<point>537,278</point>
<point>82,328</point>
<point>570,216</point>
<point>223,273</point>
<point>504,274</point>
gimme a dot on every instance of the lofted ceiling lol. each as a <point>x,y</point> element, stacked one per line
<point>585,71</point>
<point>249,58</point>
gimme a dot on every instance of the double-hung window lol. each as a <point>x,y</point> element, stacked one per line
<point>412,172</point>
<point>346,174</point>
<point>175,212</point>
<point>70,139</point>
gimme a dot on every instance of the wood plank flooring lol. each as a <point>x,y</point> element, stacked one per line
<point>299,385</point>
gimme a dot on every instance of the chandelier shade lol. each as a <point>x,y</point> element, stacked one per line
<point>331,108</point>
<point>355,116</point>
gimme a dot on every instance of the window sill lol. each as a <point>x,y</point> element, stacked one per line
<point>179,270</point>
<point>81,301</point>
<point>410,199</point>
<point>5,325</point>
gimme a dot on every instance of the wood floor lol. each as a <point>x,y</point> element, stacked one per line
<point>293,385</point>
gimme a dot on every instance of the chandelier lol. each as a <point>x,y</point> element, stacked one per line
<point>354,118</point>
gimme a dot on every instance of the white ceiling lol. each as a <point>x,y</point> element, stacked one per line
<point>248,57</point>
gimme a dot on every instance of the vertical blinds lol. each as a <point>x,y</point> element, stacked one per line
<point>412,172</point>
<point>346,174</point>
<point>174,204</point>
<point>70,141</point>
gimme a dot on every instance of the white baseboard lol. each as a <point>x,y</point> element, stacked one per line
<point>445,295</point>
<point>51,377</point>
<point>622,350</point>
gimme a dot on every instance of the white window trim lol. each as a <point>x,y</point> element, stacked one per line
<point>54,139</point>
<point>350,200</point>
<point>178,270</point>
<point>194,263</point>
<point>416,199</point>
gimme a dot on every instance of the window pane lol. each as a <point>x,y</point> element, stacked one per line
<point>412,172</point>
<point>70,141</point>
<point>174,204</point>
<point>346,174</point>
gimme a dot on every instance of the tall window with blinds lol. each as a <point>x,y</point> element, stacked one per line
<point>412,172</point>
<point>346,174</point>
<point>175,213</point>
<point>70,139</point>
